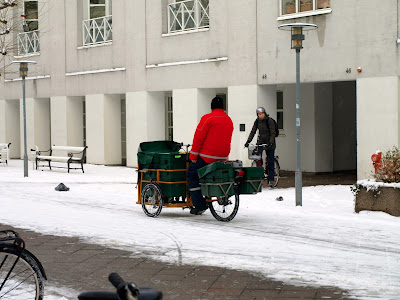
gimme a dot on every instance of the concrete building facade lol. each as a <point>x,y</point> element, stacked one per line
<point>112,73</point>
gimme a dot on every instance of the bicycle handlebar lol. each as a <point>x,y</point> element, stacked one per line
<point>125,290</point>
<point>258,145</point>
<point>115,279</point>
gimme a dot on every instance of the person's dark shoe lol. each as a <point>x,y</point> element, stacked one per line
<point>271,185</point>
<point>196,211</point>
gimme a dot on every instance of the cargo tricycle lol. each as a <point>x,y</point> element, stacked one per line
<point>162,167</point>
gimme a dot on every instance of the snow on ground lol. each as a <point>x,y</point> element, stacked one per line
<point>321,243</point>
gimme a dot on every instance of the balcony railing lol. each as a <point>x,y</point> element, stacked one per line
<point>97,31</point>
<point>28,43</point>
<point>188,15</point>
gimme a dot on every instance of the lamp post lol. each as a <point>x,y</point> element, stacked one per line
<point>23,72</point>
<point>297,38</point>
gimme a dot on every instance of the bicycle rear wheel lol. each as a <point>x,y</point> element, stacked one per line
<point>225,209</point>
<point>19,278</point>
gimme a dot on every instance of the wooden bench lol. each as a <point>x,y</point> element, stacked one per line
<point>64,154</point>
<point>4,153</point>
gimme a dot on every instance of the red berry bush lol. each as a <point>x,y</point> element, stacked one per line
<point>390,170</point>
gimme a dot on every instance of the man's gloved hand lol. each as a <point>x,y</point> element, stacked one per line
<point>246,145</point>
<point>268,146</point>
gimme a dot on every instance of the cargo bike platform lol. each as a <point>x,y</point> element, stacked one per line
<point>162,167</point>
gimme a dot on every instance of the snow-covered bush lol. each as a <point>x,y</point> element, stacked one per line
<point>390,170</point>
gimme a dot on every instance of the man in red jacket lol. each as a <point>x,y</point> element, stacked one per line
<point>211,142</point>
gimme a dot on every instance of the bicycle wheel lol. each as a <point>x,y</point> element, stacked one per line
<point>151,199</point>
<point>225,209</point>
<point>276,168</point>
<point>24,280</point>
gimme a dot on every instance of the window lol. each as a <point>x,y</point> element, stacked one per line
<point>299,6</point>
<point>31,14</point>
<point>188,15</point>
<point>169,128</point>
<point>279,111</point>
<point>97,26</point>
<point>28,41</point>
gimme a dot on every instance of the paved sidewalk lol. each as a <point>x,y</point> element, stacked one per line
<point>72,263</point>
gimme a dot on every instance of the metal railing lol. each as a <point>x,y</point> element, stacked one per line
<point>188,15</point>
<point>97,31</point>
<point>28,43</point>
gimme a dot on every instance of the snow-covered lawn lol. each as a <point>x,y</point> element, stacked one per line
<point>321,243</point>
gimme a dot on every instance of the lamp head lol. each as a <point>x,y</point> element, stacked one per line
<point>296,30</point>
<point>23,66</point>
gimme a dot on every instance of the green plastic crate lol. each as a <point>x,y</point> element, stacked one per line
<point>161,155</point>
<point>253,173</point>
<point>166,161</point>
<point>218,176</point>
<point>250,187</point>
<point>215,176</point>
<point>165,176</point>
<point>209,190</point>
<point>172,190</point>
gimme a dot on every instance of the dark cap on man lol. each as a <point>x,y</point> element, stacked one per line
<point>217,103</point>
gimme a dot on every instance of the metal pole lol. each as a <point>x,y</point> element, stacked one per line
<point>298,175</point>
<point>24,109</point>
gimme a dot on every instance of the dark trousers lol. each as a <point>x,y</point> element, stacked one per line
<point>271,164</point>
<point>194,185</point>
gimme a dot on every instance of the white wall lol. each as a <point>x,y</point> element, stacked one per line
<point>243,102</point>
<point>13,128</point>
<point>3,121</point>
<point>189,105</point>
<point>66,121</point>
<point>37,124</point>
<point>103,129</point>
<point>377,120</point>
<point>145,121</point>
<point>286,144</point>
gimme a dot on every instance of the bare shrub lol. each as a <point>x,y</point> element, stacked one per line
<point>390,170</point>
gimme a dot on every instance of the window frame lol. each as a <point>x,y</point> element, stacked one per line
<point>282,111</point>
<point>96,31</point>
<point>26,15</point>
<point>169,117</point>
<point>107,11</point>
<point>197,10</point>
<point>298,14</point>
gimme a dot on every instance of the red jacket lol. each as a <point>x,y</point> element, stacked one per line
<point>212,139</point>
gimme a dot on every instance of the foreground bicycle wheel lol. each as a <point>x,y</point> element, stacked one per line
<point>225,209</point>
<point>19,278</point>
<point>151,199</point>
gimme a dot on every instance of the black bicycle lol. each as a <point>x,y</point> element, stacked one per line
<point>21,273</point>
<point>125,291</point>
<point>255,154</point>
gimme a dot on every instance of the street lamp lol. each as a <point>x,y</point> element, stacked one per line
<point>297,38</point>
<point>23,72</point>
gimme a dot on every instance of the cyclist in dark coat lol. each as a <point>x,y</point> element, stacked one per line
<point>266,135</point>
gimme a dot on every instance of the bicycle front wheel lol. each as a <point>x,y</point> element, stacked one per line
<point>276,169</point>
<point>19,278</point>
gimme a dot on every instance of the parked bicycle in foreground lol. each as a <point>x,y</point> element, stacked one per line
<point>125,291</point>
<point>255,154</point>
<point>21,273</point>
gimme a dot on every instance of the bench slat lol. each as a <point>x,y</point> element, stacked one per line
<point>58,158</point>
<point>66,148</point>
